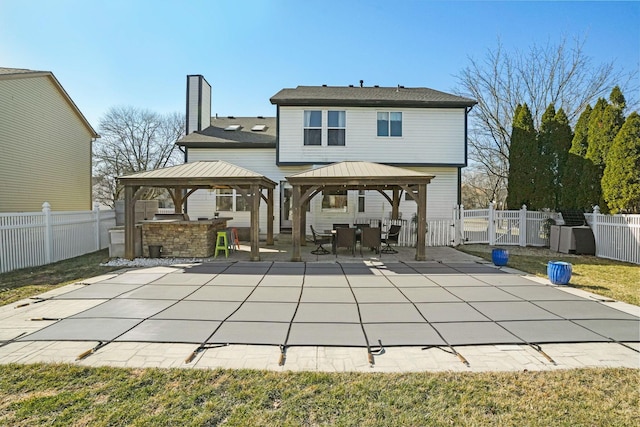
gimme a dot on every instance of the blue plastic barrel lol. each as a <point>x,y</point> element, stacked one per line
<point>500,256</point>
<point>559,272</point>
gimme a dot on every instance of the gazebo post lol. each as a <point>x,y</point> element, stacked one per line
<point>129,221</point>
<point>255,222</point>
<point>395,205</point>
<point>303,224</point>
<point>270,217</point>
<point>295,224</point>
<point>422,222</point>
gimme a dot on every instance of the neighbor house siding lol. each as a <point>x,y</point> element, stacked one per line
<point>46,148</point>
<point>433,137</point>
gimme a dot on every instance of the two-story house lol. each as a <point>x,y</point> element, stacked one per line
<point>45,144</point>
<point>416,128</point>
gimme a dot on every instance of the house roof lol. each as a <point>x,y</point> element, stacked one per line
<point>363,173</point>
<point>215,136</point>
<point>368,96</point>
<point>202,173</point>
<point>22,73</point>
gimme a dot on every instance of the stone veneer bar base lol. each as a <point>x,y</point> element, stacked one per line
<point>182,238</point>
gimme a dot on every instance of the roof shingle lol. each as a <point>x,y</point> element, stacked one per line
<point>369,96</point>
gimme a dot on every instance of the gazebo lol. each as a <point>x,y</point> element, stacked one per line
<point>181,181</point>
<point>352,175</point>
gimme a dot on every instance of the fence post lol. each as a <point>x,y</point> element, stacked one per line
<point>48,233</point>
<point>523,226</point>
<point>96,211</point>
<point>461,225</point>
<point>594,225</point>
<point>456,215</point>
<point>492,225</point>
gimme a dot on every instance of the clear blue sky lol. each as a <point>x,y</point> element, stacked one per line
<point>135,52</point>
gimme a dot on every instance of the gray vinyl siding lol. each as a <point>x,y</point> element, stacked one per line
<point>434,136</point>
<point>46,149</point>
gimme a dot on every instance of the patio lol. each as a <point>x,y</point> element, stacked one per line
<point>364,306</point>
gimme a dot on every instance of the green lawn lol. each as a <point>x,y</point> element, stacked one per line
<point>64,395</point>
<point>613,279</point>
<point>31,281</point>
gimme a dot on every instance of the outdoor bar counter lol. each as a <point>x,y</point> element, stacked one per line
<point>180,238</point>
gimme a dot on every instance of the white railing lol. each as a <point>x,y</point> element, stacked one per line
<point>38,238</point>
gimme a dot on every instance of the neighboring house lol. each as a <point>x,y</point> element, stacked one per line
<point>416,128</point>
<point>45,145</point>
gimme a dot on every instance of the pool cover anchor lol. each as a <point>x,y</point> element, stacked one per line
<point>450,351</point>
<point>371,351</point>
<point>537,348</point>
<point>202,348</point>
<point>14,339</point>
<point>89,352</point>
<point>37,300</point>
<point>283,355</point>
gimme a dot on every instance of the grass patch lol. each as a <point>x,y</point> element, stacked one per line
<point>26,282</point>
<point>69,395</point>
<point>609,278</point>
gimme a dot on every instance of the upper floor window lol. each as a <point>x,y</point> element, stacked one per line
<point>336,127</point>
<point>389,123</point>
<point>313,127</point>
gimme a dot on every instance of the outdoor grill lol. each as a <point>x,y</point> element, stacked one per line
<point>574,236</point>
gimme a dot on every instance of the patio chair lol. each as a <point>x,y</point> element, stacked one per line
<point>319,240</point>
<point>359,228</point>
<point>346,238</point>
<point>371,238</point>
<point>391,237</point>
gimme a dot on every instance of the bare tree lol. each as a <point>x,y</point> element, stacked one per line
<point>480,189</point>
<point>561,74</point>
<point>133,140</point>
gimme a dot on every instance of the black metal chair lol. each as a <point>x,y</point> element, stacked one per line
<point>371,238</point>
<point>391,237</point>
<point>346,238</point>
<point>319,240</point>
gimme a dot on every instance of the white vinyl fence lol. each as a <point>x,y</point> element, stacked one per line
<point>616,236</point>
<point>38,238</point>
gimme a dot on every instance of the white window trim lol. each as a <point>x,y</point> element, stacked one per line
<point>389,124</point>
<point>324,129</point>
<point>233,197</point>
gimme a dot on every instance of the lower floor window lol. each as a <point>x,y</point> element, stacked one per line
<point>335,199</point>
<point>228,200</point>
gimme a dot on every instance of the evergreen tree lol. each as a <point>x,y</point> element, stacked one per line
<point>595,133</point>
<point>579,143</point>
<point>523,148</point>
<point>545,161</point>
<point>605,122</point>
<point>561,140</point>
<point>621,178</point>
<point>574,192</point>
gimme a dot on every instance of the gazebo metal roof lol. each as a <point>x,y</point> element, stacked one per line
<point>203,174</point>
<point>353,175</point>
